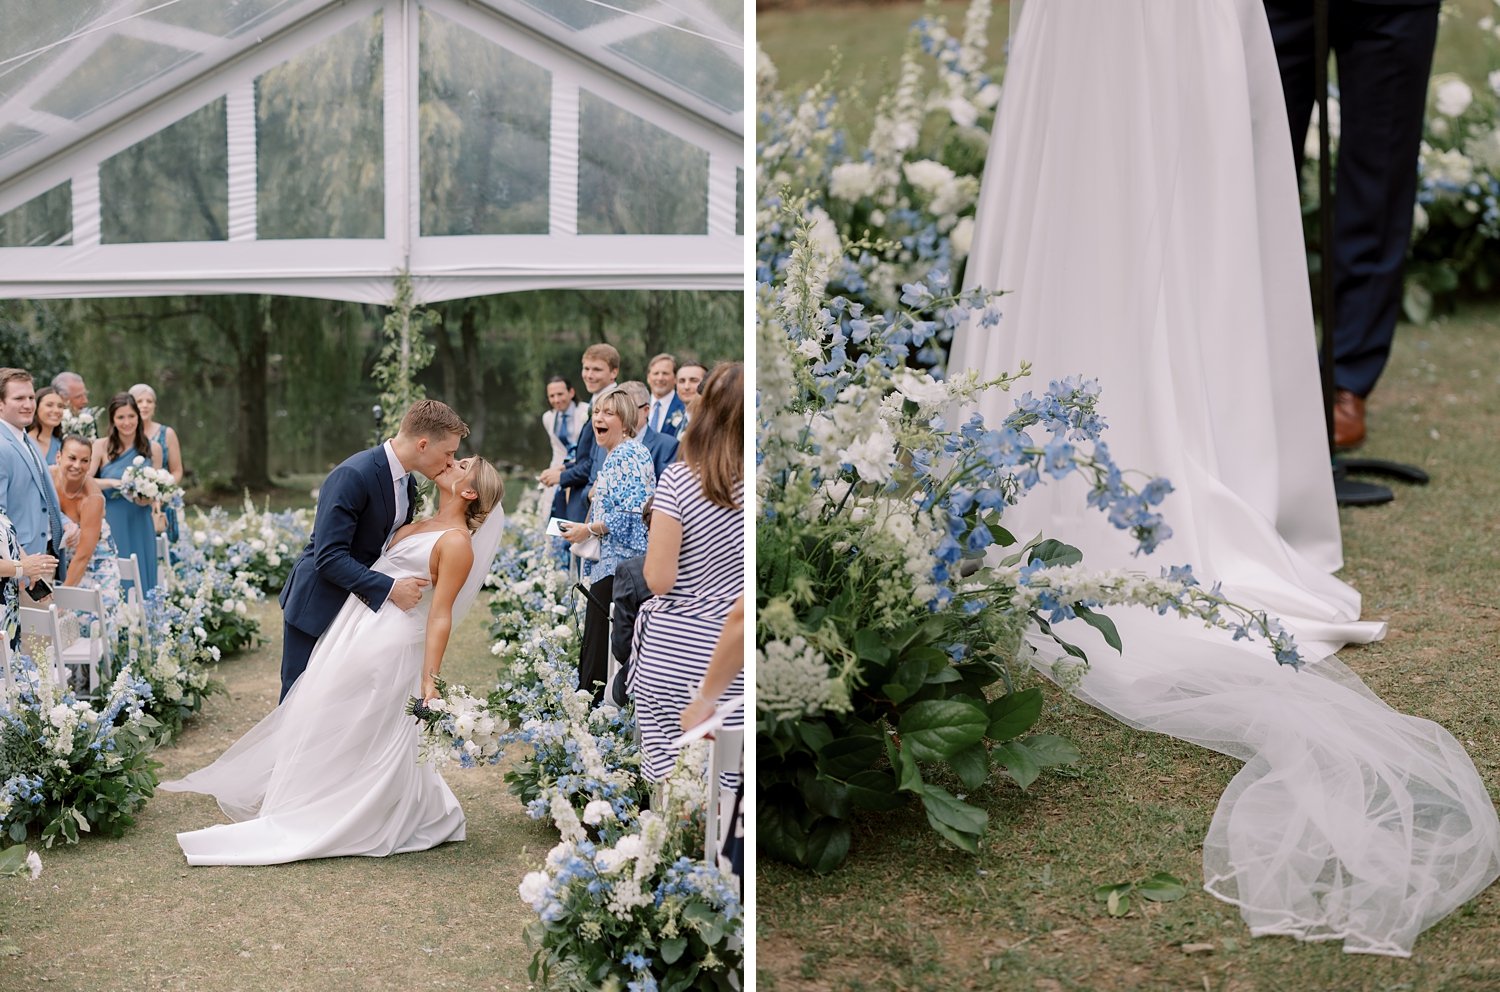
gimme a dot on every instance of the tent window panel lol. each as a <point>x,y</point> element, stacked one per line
<point>217,17</point>
<point>486,121</point>
<point>320,140</point>
<point>44,220</point>
<point>636,178</point>
<point>580,14</point>
<point>696,64</point>
<point>117,67</point>
<point>174,186</point>
<point>13,136</point>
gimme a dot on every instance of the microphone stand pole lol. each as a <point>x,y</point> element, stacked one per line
<point>1347,491</point>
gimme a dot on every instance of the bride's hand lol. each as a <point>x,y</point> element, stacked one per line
<point>429,688</point>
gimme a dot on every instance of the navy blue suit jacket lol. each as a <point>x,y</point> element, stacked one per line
<point>356,510</point>
<point>663,448</point>
<point>672,425</point>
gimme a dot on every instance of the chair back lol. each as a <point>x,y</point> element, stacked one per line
<point>725,754</point>
<point>9,675</point>
<point>164,561</point>
<point>93,651</point>
<point>130,571</point>
<point>38,622</point>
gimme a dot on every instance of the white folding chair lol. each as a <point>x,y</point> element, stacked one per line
<point>164,561</point>
<point>91,651</point>
<point>130,571</point>
<point>609,640</point>
<point>9,675</point>
<point>724,755</point>
<point>36,622</point>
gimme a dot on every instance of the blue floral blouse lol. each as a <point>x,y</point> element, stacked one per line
<point>626,480</point>
<point>10,619</point>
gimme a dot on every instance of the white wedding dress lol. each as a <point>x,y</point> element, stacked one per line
<point>1139,200</point>
<point>333,770</point>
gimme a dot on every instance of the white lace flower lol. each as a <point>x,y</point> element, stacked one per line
<point>1452,95</point>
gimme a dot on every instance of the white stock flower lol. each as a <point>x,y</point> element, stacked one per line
<point>962,237</point>
<point>1452,95</point>
<point>851,181</point>
<point>597,811</point>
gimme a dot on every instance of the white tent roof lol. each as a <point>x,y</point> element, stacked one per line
<point>322,148</point>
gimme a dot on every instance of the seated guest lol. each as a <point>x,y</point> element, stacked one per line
<point>695,565</point>
<point>624,483</point>
<point>662,447</point>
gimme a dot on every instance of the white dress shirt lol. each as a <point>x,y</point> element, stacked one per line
<point>398,480</point>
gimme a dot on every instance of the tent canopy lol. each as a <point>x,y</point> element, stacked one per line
<point>324,147</point>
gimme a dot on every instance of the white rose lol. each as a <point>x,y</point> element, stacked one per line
<point>533,887</point>
<point>58,716</point>
<point>1453,95</point>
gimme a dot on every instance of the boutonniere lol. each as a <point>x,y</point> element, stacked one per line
<point>675,419</point>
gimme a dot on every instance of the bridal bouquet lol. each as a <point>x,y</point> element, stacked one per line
<point>141,481</point>
<point>85,423</point>
<point>642,912</point>
<point>457,726</point>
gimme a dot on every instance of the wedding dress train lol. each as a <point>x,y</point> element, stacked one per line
<point>1139,200</point>
<point>333,770</point>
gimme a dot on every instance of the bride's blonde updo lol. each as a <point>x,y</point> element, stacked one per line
<point>486,481</point>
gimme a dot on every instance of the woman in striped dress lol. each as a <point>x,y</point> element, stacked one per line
<point>695,564</point>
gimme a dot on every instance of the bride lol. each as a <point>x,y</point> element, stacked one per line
<point>333,770</point>
<point>1139,198</point>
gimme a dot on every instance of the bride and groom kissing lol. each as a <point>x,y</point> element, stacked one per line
<point>368,610</point>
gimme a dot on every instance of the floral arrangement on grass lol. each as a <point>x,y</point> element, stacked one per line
<point>140,481</point>
<point>457,727</point>
<point>638,911</point>
<point>259,542</point>
<point>68,767</point>
<point>217,591</point>
<point>883,634</point>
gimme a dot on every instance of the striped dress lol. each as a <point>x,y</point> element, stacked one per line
<point>675,633</point>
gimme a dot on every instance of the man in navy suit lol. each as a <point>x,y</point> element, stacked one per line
<point>360,505</point>
<point>666,413</point>
<point>662,447</point>
<point>601,367</point>
<point>27,494</point>
<point>1384,54</point>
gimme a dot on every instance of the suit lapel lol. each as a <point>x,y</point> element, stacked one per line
<point>381,469</point>
<point>26,458</point>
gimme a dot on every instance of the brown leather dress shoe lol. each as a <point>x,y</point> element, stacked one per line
<point>1348,419</point>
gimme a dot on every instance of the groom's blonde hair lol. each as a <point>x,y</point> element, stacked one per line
<point>431,418</point>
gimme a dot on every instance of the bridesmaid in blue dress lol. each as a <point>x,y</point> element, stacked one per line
<point>166,437</point>
<point>129,521</point>
<point>46,424</point>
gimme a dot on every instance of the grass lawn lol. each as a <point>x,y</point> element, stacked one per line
<point>130,915</point>
<point>908,912</point>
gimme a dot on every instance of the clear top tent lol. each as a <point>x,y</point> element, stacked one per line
<point>325,147</point>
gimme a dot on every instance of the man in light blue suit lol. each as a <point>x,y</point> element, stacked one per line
<point>26,490</point>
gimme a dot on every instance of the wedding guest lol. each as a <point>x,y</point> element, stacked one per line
<point>129,520</point>
<point>95,562</point>
<point>625,481</point>
<point>15,566</point>
<point>564,421</point>
<point>73,390</point>
<point>689,378</point>
<point>166,438</point>
<point>26,491</point>
<point>667,411</point>
<point>601,367</point>
<point>46,423</point>
<point>694,565</point>
<point>662,447</point>
<point>630,591</point>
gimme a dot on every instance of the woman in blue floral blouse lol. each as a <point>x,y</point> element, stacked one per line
<point>626,479</point>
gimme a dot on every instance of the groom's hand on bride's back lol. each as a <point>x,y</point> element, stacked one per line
<point>406,592</point>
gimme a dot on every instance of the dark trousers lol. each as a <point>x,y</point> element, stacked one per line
<point>296,647</point>
<point>593,655</point>
<point>1383,54</point>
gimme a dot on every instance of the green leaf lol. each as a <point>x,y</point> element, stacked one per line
<point>939,728</point>
<point>1054,552</point>
<point>1162,887</point>
<point>13,860</point>
<point>847,756</point>
<point>1018,763</point>
<point>815,734</point>
<point>908,775</point>
<point>1012,714</point>
<point>1048,750</point>
<point>954,819</point>
<point>908,678</point>
<point>1103,892</point>
<point>1072,649</point>
<point>871,646</point>
<point>827,796</point>
<point>1101,623</point>
<point>874,789</point>
<point>671,949</point>
<point>827,846</point>
<point>972,765</point>
<point>1118,903</point>
<point>1417,302</point>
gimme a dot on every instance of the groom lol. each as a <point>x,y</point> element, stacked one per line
<point>360,505</point>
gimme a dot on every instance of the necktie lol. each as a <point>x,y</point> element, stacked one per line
<point>401,504</point>
<point>656,411</point>
<point>562,426</point>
